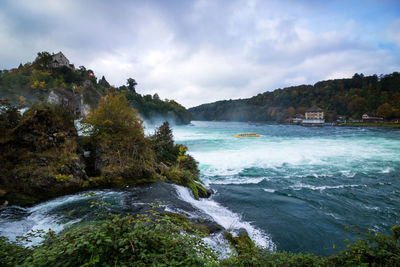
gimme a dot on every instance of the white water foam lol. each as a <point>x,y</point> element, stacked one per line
<point>40,217</point>
<point>301,186</point>
<point>226,218</point>
<point>269,190</point>
<point>348,174</point>
<point>387,170</point>
<point>220,154</point>
<point>233,180</point>
<point>219,244</point>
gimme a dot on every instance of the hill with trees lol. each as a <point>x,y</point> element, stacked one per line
<point>42,155</point>
<point>340,97</point>
<point>42,80</point>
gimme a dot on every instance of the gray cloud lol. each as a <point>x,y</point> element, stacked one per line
<point>205,50</point>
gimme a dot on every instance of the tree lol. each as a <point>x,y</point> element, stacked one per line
<point>43,60</point>
<point>156,97</point>
<point>163,144</point>
<point>9,117</point>
<point>113,115</point>
<point>103,82</point>
<point>385,110</point>
<point>131,84</point>
<point>118,135</point>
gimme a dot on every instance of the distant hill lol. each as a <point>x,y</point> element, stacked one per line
<point>341,97</point>
<point>52,78</point>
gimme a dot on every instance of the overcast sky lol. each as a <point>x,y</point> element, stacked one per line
<point>202,51</point>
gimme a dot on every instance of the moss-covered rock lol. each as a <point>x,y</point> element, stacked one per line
<point>180,176</point>
<point>40,157</point>
<point>242,242</point>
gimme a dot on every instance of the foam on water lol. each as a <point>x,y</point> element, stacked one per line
<point>269,190</point>
<point>219,244</point>
<point>222,155</point>
<point>226,218</point>
<point>269,155</point>
<point>43,216</point>
<point>233,180</point>
<point>324,187</point>
<point>387,170</point>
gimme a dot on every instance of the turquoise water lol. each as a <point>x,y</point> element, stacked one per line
<point>293,188</point>
<point>301,186</point>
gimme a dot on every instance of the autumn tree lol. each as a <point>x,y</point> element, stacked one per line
<point>385,110</point>
<point>118,135</point>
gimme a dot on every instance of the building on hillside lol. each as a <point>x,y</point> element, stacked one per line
<point>314,117</point>
<point>59,60</point>
<point>371,118</point>
<point>298,118</point>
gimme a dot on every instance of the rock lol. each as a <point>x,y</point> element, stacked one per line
<point>163,168</point>
<point>2,192</point>
<point>41,148</point>
<point>5,204</point>
<point>242,231</point>
<point>211,226</point>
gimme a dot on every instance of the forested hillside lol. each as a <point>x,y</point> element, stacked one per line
<point>40,81</point>
<point>341,97</point>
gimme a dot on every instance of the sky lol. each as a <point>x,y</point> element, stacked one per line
<point>201,51</point>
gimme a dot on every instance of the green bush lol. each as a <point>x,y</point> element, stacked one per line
<point>143,240</point>
<point>162,143</point>
<point>375,249</point>
<point>9,118</point>
<point>11,254</point>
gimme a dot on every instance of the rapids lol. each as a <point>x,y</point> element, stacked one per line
<point>293,188</point>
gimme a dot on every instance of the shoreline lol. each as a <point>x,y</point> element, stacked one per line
<point>347,124</point>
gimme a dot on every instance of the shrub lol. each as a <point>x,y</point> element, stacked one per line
<point>143,240</point>
<point>162,143</point>
<point>9,118</point>
<point>118,135</point>
<point>375,249</point>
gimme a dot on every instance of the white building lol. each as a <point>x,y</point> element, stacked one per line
<point>314,117</point>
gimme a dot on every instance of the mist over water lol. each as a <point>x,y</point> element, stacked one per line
<point>300,185</point>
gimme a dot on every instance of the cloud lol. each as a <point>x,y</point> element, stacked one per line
<point>393,32</point>
<point>205,50</point>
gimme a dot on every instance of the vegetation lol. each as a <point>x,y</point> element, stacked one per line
<point>124,154</point>
<point>175,164</point>
<point>141,240</point>
<point>37,152</point>
<point>342,97</point>
<point>36,81</point>
<point>165,239</point>
<point>43,157</point>
<point>9,118</point>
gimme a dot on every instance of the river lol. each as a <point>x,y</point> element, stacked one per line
<point>293,188</point>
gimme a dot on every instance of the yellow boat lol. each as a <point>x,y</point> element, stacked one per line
<point>247,135</point>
